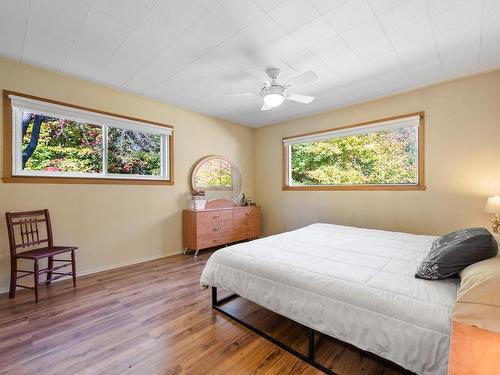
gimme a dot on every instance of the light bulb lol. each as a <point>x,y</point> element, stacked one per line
<point>273,99</point>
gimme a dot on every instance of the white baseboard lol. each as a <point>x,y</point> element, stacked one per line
<point>105,268</point>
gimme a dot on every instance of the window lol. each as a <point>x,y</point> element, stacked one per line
<point>379,155</point>
<point>61,142</point>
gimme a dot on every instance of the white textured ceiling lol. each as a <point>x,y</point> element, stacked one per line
<point>192,53</point>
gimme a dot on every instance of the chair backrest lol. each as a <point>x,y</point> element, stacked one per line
<point>24,231</point>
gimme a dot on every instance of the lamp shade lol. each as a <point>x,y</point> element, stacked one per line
<point>273,99</point>
<point>493,205</point>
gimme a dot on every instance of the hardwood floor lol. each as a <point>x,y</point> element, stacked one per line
<point>154,318</point>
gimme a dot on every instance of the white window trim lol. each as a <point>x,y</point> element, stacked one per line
<point>404,122</point>
<point>20,104</point>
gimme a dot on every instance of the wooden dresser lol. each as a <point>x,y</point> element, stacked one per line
<point>219,226</point>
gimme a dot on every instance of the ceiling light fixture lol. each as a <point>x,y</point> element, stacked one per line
<point>273,99</point>
<point>274,93</point>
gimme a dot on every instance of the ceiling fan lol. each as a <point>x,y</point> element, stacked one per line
<point>275,93</point>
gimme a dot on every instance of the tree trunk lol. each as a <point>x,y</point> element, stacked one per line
<point>26,122</point>
<point>35,135</point>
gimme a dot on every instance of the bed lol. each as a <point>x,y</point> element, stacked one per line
<point>354,284</point>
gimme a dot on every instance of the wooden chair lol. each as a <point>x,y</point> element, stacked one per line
<point>25,239</point>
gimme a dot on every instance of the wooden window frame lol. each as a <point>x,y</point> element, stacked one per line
<point>421,160</point>
<point>8,176</point>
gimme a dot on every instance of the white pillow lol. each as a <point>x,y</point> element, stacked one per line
<point>478,299</point>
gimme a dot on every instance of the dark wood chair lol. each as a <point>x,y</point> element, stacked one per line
<point>29,241</point>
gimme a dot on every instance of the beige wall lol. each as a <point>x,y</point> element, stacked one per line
<point>115,225</point>
<point>462,164</point>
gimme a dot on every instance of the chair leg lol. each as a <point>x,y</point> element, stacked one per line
<point>36,280</point>
<point>50,264</point>
<point>13,277</point>
<point>73,267</point>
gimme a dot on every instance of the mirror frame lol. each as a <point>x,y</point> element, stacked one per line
<point>236,173</point>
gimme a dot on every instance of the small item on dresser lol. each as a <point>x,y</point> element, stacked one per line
<point>247,202</point>
<point>199,199</point>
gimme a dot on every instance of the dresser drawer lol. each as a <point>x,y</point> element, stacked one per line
<point>248,234</point>
<point>214,227</point>
<point>214,216</point>
<point>247,212</point>
<point>247,222</point>
<point>214,240</point>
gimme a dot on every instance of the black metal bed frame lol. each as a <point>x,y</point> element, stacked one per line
<point>310,357</point>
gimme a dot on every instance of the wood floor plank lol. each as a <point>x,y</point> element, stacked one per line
<point>154,318</point>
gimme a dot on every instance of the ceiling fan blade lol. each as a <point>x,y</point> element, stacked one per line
<point>242,94</point>
<point>260,75</point>
<point>305,99</point>
<point>303,78</point>
<point>265,107</point>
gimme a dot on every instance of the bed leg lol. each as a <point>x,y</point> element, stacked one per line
<point>214,296</point>
<point>311,344</point>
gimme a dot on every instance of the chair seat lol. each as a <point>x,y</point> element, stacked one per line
<point>45,252</point>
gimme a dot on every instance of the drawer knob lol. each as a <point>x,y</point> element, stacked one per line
<point>216,240</point>
<point>215,229</point>
<point>215,217</point>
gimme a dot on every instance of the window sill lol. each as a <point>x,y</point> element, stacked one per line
<point>353,187</point>
<point>80,180</point>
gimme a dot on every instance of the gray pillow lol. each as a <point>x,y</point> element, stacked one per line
<point>454,251</point>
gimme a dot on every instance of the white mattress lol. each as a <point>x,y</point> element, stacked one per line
<point>354,284</point>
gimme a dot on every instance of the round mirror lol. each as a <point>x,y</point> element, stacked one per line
<point>218,177</point>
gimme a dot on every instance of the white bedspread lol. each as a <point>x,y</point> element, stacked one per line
<point>354,284</point>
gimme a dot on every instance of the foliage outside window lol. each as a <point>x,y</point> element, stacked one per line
<point>57,141</point>
<point>132,152</point>
<point>381,154</point>
<point>51,144</point>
